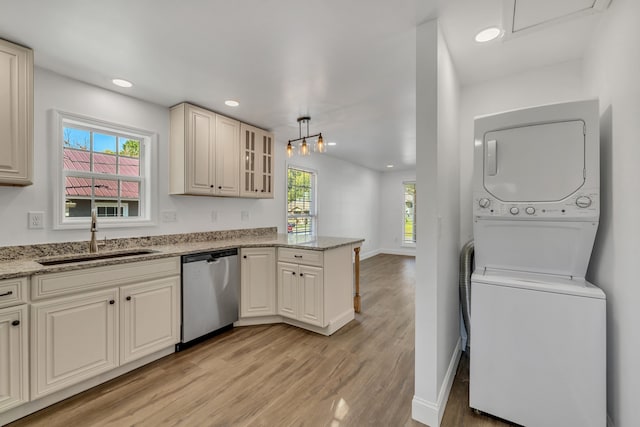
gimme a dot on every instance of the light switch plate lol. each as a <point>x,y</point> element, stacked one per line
<point>244,215</point>
<point>35,220</point>
<point>214,216</point>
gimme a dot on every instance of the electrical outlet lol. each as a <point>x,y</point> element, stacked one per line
<point>244,215</point>
<point>214,216</point>
<point>36,220</point>
<point>169,216</point>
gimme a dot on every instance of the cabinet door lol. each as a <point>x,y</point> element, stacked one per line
<point>16,114</point>
<point>258,282</point>
<point>149,317</point>
<point>288,290</point>
<point>73,339</point>
<point>311,295</point>
<point>14,357</point>
<point>227,166</point>
<point>266,159</point>
<point>249,160</point>
<point>201,133</point>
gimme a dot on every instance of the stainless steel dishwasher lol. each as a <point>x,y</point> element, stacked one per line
<point>210,289</point>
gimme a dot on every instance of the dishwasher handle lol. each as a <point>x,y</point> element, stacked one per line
<point>210,257</point>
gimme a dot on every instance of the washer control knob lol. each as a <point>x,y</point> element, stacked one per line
<point>583,202</point>
<point>530,210</point>
<point>514,211</point>
<point>484,202</point>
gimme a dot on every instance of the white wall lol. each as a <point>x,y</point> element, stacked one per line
<point>611,73</point>
<point>53,91</point>
<point>561,82</point>
<point>348,199</point>
<point>448,222</point>
<point>392,212</point>
<point>437,172</point>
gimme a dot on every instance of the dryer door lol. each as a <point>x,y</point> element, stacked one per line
<point>535,163</point>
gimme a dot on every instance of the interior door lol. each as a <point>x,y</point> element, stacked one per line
<point>536,163</point>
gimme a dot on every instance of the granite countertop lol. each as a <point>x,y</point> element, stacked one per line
<point>24,261</point>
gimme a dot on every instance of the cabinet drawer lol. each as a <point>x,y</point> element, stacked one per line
<point>13,291</point>
<point>70,282</point>
<point>300,256</point>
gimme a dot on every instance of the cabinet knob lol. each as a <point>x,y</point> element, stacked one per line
<point>256,190</point>
<point>297,256</point>
<point>293,272</point>
<point>6,293</point>
<point>128,298</point>
<point>262,191</point>
<point>244,256</point>
<point>301,274</point>
<point>15,322</point>
<point>219,187</point>
<point>211,185</point>
<point>112,302</point>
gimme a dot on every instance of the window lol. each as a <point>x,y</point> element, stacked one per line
<point>409,230</point>
<point>105,167</point>
<point>301,201</point>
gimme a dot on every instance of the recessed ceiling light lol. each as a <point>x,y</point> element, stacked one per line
<point>389,166</point>
<point>332,143</point>
<point>122,82</point>
<point>488,34</point>
<point>231,103</point>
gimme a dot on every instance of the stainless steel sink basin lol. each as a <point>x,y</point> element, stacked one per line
<point>93,257</point>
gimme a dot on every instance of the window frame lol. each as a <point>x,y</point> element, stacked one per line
<point>408,243</point>
<point>147,178</point>
<point>314,200</point>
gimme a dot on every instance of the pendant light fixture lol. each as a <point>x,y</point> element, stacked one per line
<point>304,148</point>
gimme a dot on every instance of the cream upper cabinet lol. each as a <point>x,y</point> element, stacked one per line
<point>257,282</point>
<point>73,339</point>
<point>227,150</point>
<point>149,317</point>
<point>16,114</point>
<point>14,357</point>
<point>204,150</point>
<point>256,162</point>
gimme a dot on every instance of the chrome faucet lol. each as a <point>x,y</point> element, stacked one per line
<point>93,243</point>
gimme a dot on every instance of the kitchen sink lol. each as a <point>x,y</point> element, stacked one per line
<point>93,257</point>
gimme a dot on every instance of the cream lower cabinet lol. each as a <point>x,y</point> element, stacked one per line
<point>257,282</point>
<point>149,318</point>
<point>14,357</point>
<point>78,336</point>
<point>300,293</point>
<point>73,339</point>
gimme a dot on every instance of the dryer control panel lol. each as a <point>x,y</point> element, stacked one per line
<point>582,206</point>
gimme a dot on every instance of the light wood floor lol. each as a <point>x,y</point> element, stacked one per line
<point>279,375</point>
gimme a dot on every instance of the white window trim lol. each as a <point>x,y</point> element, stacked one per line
<point>148,167</point>
<point>315,197</point>
<point>403,243</point>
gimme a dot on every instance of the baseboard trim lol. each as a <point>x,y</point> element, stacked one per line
<point>399,251</point>
<point>430,413</point>
<point>365,255</point>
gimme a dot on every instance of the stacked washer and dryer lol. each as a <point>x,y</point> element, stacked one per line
<point>539,336</point>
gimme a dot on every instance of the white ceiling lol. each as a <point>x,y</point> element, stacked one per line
<point>350,65</point>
